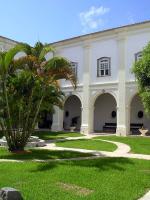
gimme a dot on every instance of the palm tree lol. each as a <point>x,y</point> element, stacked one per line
<point>29,84</point>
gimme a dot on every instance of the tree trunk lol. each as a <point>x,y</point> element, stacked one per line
<point>15,141</point>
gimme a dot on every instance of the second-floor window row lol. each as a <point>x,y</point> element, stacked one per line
<point>103,65</point>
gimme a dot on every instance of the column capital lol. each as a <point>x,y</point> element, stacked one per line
<point>87,45</point>
<point>121,36</point>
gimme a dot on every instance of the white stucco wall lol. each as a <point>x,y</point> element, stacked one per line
<point>73,54</point>
<point>120,45</point>
<point>6,44</point>
<point>136,41</point>
<point>49,55</point>
<point>104,48</point>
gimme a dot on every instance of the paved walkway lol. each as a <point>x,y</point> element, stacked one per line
<point>146,196</point>
<point>121,151</point>
<point>121,148</point>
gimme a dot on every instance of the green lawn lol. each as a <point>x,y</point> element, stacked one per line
<point>48,135</point>
<point>100,179</point>
<point>41,154</point>
<point>88,144</point>
<point>138,144</point>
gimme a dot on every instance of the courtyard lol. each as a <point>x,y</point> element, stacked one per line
<point>73,166</point>
<point>75,100</point>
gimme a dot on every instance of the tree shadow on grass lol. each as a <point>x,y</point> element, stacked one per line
<point>41,154</point>
<point>45,166</point>
<point>50,135</point>
<point>100,164</point>
<point>105,163</point>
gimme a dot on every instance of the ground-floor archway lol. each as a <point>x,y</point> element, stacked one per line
<point>138,118</point>
<point>72,113</point>
<point>105,117</point>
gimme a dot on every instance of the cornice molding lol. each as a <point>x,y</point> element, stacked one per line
<point>8,41</point>
<point>105,33</point>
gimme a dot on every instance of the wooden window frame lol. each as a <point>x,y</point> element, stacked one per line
<point>99,67</point>
<point>138,56</point>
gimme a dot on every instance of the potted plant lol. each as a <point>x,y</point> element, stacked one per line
<point>74,121</point>
<point>143,131</point>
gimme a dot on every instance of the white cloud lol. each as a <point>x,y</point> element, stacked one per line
<point>131,18</point>
<point>92,18</point>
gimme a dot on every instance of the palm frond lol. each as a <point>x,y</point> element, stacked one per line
<point>12,52</point>
<point>29,62</point>
<point>44,51</point>
<point>60,68</point>
<point>2,56</point>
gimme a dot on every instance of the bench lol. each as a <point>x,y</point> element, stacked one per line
<point>134,128</point>
<point>109,127</point>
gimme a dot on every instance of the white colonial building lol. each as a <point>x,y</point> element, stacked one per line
<point>106,97</point>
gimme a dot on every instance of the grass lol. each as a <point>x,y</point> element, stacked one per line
<point>88,144</point>
<point>41,154</point>
<point>48,135</point>
<point>107,178</point>
<point>138,144</point>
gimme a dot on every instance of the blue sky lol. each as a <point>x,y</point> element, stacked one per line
<point>53,20</point>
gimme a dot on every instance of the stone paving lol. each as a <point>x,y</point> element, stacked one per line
<point>146,196</point>
<point>121,151</point>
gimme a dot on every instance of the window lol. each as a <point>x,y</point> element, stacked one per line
<point>74,66</point>
<point>138,56</point>
<point>103,67</point>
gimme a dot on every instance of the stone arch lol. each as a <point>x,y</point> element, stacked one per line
<point>131,97</point>
<point>105,112</point>
<point>72,112</point>
<point>73,94</point>
<point>97,94</point>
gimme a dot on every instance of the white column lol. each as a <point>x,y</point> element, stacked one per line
<point>86,125</point>
<point>91,118</point>
<point>57,120</point>
<point>123,124</point>
<point>36,126</point>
